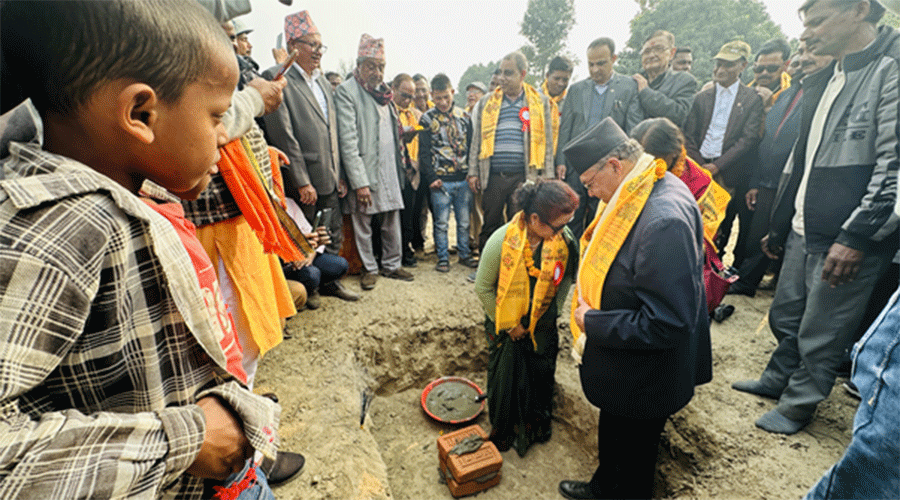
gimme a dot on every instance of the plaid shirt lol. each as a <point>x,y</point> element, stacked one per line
<point>105,342</point>
<point>216,203</point>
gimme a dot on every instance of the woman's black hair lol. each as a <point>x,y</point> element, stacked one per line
<point>547,198</point>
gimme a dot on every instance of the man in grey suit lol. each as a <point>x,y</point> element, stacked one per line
<point>305,129</point>
<point>661,91</point>
<point>605,93</point>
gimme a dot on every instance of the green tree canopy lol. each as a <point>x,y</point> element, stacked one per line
<point>474,73</point>
<point>546,25</point>
<point>702,25</point>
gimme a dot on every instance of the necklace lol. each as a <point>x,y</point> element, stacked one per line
<point>529,262</point>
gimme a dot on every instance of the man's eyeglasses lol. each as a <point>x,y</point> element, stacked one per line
<point>315,47</point>
<point>768,68</point>
<point>656,49</point>
<point>406,95</point>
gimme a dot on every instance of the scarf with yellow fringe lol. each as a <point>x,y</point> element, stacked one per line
<point>516,265</point>
<point>555,113</point>
<point>532,116</point>
<point>603,239</point>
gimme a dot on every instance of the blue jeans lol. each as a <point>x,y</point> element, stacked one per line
<point>459,194</point>
<point>870,468</point>
<point>326,268</point>
<point>257,489</point>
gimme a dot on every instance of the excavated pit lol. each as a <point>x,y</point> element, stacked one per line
<point>401,336</point>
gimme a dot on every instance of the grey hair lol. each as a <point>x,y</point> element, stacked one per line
<point>629,150</point>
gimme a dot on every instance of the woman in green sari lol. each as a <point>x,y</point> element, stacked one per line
<point>523,278</point>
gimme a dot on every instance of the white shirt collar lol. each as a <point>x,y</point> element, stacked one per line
<point>731,89</point>
<point>309,77</point>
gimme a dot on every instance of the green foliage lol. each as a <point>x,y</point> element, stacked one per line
<point>546,25</point>
<point>702,25</point>
<point>474,73</point>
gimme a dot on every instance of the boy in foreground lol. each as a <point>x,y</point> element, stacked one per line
<point>114,381</point>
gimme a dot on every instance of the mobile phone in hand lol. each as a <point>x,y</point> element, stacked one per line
<point>287,64</point>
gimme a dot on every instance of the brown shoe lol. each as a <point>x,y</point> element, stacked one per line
<point>397,274</point>
<point>367,280</point>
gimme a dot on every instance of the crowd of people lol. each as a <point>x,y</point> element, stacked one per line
<point>164,212</point>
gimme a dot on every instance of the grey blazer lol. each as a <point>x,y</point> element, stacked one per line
<point>621,104</point>
<point>305,135</point>
<point>357,116</point>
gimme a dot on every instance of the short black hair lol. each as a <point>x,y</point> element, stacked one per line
<point>560,63</point>
<point>419,76</point>
<point>402,77</point>
<point>329,74</point>
<point>684,50</point>
<point>876,10</point>
<point>59,53</point>
<point>604,41</point>
<point>775,45</point>
<point>441,82</point>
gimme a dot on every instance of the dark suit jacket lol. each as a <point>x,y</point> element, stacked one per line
<point>742,135</point>
<point>649,345</point>
<point>621,104</point>
<point>670,95</point>
<point>307,137</point>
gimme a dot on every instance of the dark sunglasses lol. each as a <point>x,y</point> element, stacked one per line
<point>769,68</point>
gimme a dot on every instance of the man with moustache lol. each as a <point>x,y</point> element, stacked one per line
<point>782,129</point>
<point>368,128</point>
<point>604,93</point>
<point>834,217</point>
<point>556,81</point>
<point>663,92</point>
<point>683,59</point>
<point>722,133</point>
<point>771,71</point>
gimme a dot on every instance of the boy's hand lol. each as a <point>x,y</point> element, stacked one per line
<point>225,448</point>
<point>474,184</point>
<point>436,184</point>
<point>270,91</point>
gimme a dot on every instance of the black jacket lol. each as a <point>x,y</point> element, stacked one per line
<point>649,345</point>
<point>852,185</point>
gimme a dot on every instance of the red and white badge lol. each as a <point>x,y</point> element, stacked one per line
<point>525,116</point>
<point>558,273</point>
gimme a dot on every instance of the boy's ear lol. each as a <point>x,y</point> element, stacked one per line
<point>138,111</point>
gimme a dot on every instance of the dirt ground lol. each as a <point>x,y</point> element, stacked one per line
<point>401,336</point>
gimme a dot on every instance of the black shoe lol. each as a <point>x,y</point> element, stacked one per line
<point>723,312</point>
<point>409,261</point>
<point>314,300</point>
<point>286,466</point>
<point>576,490</point>
<point>336,289</point>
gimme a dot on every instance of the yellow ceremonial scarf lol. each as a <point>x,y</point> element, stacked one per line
<point>603,239</point>
<point>714,200</point>
<point>513,287</point>
<point>556,99</point>
<point>554,115</point>
<point>535,124</point>
<point>785,84</point>
<point>408,119</point>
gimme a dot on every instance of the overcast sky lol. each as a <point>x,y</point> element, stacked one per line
<point>432,36</point>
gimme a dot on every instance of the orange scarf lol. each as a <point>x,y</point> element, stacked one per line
<point>242,174</point>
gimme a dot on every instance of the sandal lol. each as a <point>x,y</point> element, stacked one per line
<point>442,266</point>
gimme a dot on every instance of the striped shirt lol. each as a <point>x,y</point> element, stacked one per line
<point>509,141</point>
<point>105,342</point>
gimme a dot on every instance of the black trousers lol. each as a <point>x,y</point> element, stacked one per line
<point>497,203</point>
<point>410,218</point>
<point>755,262</point>
<point>628,450</point>
<point>737,207</point>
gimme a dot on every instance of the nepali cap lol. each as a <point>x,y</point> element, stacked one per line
<point>371,47</point>
<point>594,144</point>
<point>297,25</point>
